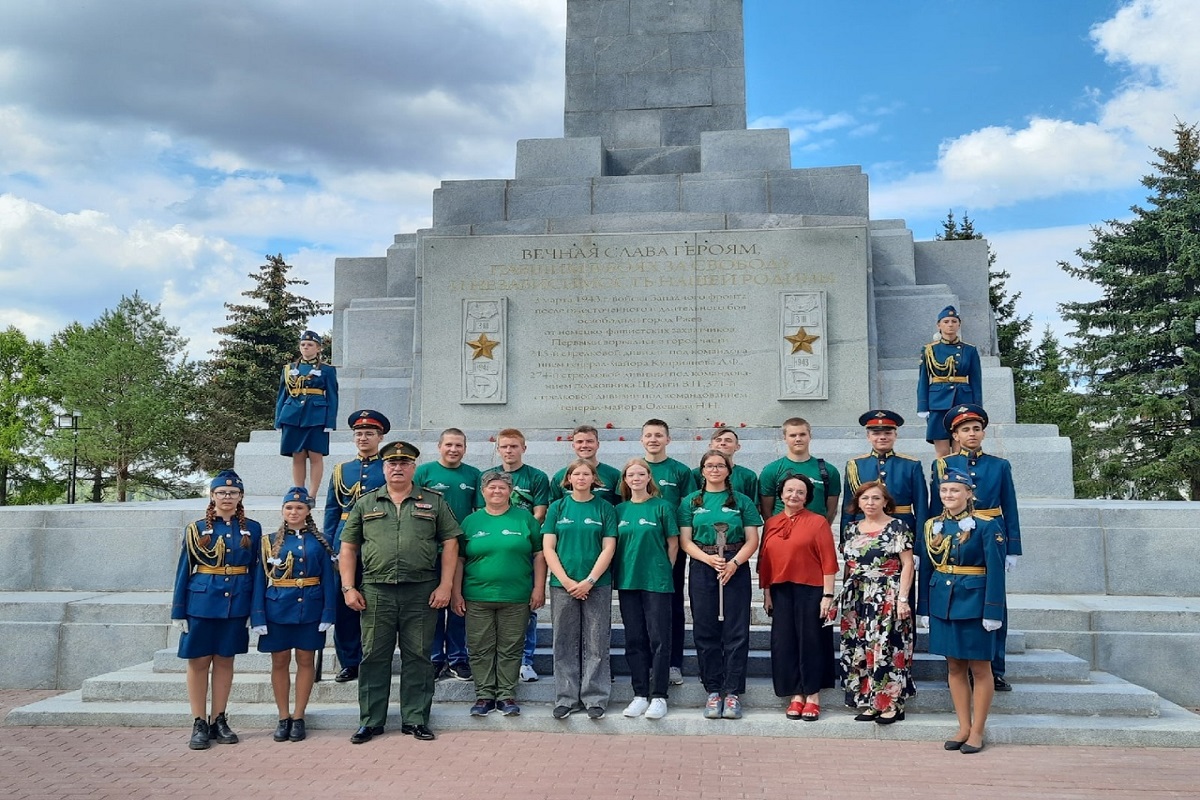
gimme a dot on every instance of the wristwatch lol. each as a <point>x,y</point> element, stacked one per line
<point>590,580</point>
<point>349,588</point>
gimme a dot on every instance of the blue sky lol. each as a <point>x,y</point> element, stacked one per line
<point>166,147</point>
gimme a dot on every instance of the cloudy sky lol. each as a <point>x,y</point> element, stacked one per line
<point>166,147</point>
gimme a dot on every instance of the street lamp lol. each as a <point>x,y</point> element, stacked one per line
<point>71,422</point>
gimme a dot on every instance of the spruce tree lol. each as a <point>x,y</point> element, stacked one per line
<point>243,377</point>
<point>1139,344</point>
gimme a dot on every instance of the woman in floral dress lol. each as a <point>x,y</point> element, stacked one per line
<point>877,622</point>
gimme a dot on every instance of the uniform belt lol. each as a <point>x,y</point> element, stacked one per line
<point>204,569</point>
<point>949,379</point>
<point>713,550</point>
<point>989,513</point>
<point>345,515</point>
<point>308,391</point>
<point>902,510</point>
<point>295,583</point>
<point>955,569</point>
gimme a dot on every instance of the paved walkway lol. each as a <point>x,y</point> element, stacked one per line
<point>132,763</point>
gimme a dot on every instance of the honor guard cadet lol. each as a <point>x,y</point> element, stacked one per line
<point>904,476</point>
<point>397,529</point>
<point>349,481</point>
<point>306,411</point>
<point>995,497</point>
<point>949,375</point>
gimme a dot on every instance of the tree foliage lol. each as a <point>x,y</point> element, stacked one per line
<point>241,379</point>
<point>25,416</point>
<point>1012,330</point>
<point>128,375</point>
<point>1139,344</point>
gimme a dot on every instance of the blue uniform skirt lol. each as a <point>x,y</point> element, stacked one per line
<point>961,638</point>
<point>214,637</point>
<point>296,440</point>
<point>935,426</point>
<point>279,637</point>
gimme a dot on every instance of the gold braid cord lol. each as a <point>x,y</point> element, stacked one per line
<point>275,572</point>
<point>938,369</point>
<point>212,556</point>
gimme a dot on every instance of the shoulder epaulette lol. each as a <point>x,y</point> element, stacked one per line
<point>905,456</point>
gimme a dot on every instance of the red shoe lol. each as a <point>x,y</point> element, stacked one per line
<point>811,712</point>
<point>795,709</point>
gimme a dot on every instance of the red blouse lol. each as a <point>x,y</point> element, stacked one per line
<point>796,549</point>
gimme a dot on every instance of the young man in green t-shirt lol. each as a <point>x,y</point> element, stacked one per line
<point>458,483</point>
<point>675,482</point>
<point>585,441</point>
<point>827,481</point>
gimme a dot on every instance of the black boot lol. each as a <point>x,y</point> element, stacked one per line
<point>298,733</point>
<point>219,731</point>
<point>199,740</point>
<point>283,730</point>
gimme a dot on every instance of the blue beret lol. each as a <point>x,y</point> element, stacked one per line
<point>881,418</point>
<point>966,412</point>
<point>367,418</point>
<point>297,494</point>
<point>227,477</point>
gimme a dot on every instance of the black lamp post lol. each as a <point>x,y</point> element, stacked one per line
<point>71,422</point>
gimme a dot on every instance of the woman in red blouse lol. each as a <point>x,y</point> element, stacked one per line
<point>796,569</point>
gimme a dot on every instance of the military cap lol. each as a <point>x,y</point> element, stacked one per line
<point>310,336</point>
<point>367,418</point>
<point>966,412</point>
<point>399,450</point>
<point>958,476</point>
<point>297,494</point>
<point>226,477</point>
<point>881,418</point>
<point>948,311</point>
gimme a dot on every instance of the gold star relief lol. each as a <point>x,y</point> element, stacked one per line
<point>801,340</point>
<point>482,347</point>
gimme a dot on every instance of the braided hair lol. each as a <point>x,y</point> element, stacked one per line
<point>210,519</point>
<point>730,501</point>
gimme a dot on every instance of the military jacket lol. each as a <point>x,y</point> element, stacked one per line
<point>202,587</point>
<point>349,481</point>
<point>308,396</point>
<point>400,545</point>
<point>995,494</point>
<point>950,595</point>
<point>904,477</point>
<point>300,558</point>
<point>949,374</point>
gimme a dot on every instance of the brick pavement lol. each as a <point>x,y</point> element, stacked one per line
<point>133,763</point>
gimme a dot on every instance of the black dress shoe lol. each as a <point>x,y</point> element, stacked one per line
<point>220,732</point>
<point>952,744</point>
<point>970,748</point>
<point>365,734</point>
<point>283,730</point>
<point>347,674</point>
<point>421,732</point>
<point>199,740</point>
<point>897,717</point>
<point>1001,684</point>
<point>297,733</point>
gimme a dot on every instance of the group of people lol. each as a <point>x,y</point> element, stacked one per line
<point>451,564</point>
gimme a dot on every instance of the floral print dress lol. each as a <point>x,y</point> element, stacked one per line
<point>877,646</point>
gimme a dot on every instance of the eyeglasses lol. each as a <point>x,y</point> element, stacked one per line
<point>715,466</point>
<point>226,494</point>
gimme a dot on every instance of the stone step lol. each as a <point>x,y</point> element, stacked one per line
<point>1104,694</point>
<point>1172,727</point>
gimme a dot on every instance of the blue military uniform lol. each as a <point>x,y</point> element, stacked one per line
<point>950,373</point>
<point>214,582</point>
<point>351,480</point>
<point>995,498</point>
<point>904,477</point>
<point>307,404</point>
<point>298,593</point>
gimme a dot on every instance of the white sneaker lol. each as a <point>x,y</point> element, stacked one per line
<point>657,709</point>
<point>675,676</point>
<point>528,674</point>
<point>637,707</point>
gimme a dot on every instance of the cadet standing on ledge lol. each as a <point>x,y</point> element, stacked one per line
<point>306,411</point>
<point>949,374</point>
<point>397,528</point>
<point>351,480</point>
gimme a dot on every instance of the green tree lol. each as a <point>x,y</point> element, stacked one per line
<point>128,375</point>
<point>1012,331</point>
<point>242,378</point>
<point>25,416</point>
<point>1139,344</point>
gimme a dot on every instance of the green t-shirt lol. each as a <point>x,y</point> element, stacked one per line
<point>609,476</point>
<point>531,488</point>
<point>774,473</point>
<point>460,486</point>
<point>712,510</point>
<point>642,561</point>
<point>580,530</point>
<point>674,480</point>
<point>497,552</point>
<point>743,480</point>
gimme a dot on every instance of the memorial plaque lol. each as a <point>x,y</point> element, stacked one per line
<point>733,326</point>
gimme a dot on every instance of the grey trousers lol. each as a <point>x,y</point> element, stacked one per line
<point>581,638</point>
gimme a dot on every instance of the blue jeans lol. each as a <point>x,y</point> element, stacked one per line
<point>530,640</point>
<point>449,639</point>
